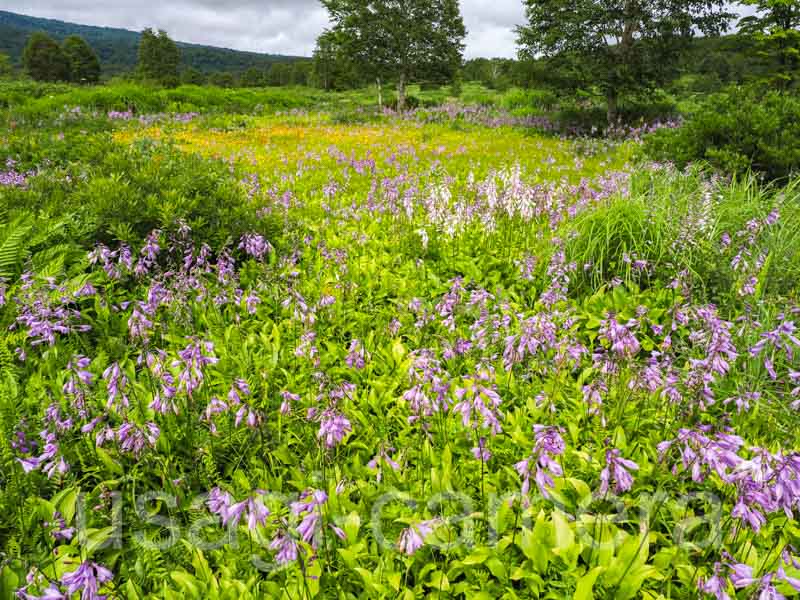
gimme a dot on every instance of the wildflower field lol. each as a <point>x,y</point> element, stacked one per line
<point>294,352</point>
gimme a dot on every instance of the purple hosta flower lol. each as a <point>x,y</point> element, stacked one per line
<point>309,507</point>
<point>381,458</point>
<point>713,338</point>
<point>616,472</point>
<point>460,348</point>
<point>743,401</point>
<point>742,576</point>
<point>286,403</point>
<point>111,261</point>
<point>47,460</point>
<point>45,309</point>
<point>559,273</point>
<point>419,403</point>
<point>716,585</point>
<point>413,537</point>
<point>481,452</point>
<point>477,402</point>
<point>766,483</point>
<point>255,245</point>
<point>192,360</point>
<point>13,178</point>
<point>326,300</point>
<point>748,288</point>
<point>77,367</point>
<point>20,442</point>
<point>251,510</point>
<point>394,326</point>
<point>116,384</point>
<point>139,323</point>
<point>794,377</point>
<point>215,407</point>
<point>703,453</point>
<point>88,578</point>
<point>130,437</point>
<point>58,528</point>
<point>539,335</point>
<point>286,548</point>
<point>53,418</point>
<point>239,388</point>
<point>307,348</point>
<point>593,396</point>
<point>148,255</point>
<point>548,444</point>
<point>447,305</point>
<point>225,267</point>
<point>622,340</point>
<point>356,357</point>
<point>251,302</point>
<point>782,338</point>
<point>333,427</point>
<point>164,400</point>
<point>527,267</point>
<point>247,415</point>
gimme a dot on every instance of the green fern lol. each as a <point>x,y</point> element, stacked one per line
<point>13,243</point>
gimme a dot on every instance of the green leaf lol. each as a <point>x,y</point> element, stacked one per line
<point>187,583</point>
<point>585,586</point>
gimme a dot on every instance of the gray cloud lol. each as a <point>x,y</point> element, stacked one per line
<point>274,26</point>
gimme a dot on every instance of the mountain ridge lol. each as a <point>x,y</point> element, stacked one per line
<point>117,47</point>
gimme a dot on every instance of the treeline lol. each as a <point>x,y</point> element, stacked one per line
<point>159,60</point>
<point>117,49</point>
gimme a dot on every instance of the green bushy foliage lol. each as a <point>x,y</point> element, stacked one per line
<point>740,130</point>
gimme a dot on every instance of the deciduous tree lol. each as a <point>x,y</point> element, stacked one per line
<point>399,39</point>
<point>159,57</point>
<point>44,60</point>
<point>83,62</point>
<point>776,27</point>
<point>617,46</point>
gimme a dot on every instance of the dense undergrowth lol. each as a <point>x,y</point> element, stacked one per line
<point>435,354</point>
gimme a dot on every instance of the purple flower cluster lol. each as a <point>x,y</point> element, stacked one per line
<point>541,465</point>
<point>616,472</point>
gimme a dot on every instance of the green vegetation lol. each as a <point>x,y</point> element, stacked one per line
<point>159,58</point>
<point>292,342</point>
<point>738,131</point>
<point>84,67</point>
<point>117,48</point>
<point>44,60</point>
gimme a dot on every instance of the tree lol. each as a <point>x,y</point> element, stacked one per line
<point>399,39</point>
<point>192,76</point>
<point>44,60</point>
<point>279,74</point>
<point>776,27</point>
<point>159,57</point>
<point>6,68</point>
<point>332,69</point>
<point>619,46</point>
<point>83,62</point>
<point>222,79</point>
<point>253,77</point>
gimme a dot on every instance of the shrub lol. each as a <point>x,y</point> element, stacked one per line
<point>737,131</point>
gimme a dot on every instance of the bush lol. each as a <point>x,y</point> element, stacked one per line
<point>737,131</point>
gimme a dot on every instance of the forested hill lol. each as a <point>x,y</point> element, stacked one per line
<point>117,48</point>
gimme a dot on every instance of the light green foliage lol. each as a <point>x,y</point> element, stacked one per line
<point>381,227</point>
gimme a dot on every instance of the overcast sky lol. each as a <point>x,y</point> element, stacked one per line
<point>273,26</point>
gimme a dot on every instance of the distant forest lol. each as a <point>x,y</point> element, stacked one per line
<point>117,48</point>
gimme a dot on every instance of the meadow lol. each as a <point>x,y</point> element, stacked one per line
<point>278,344</point>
